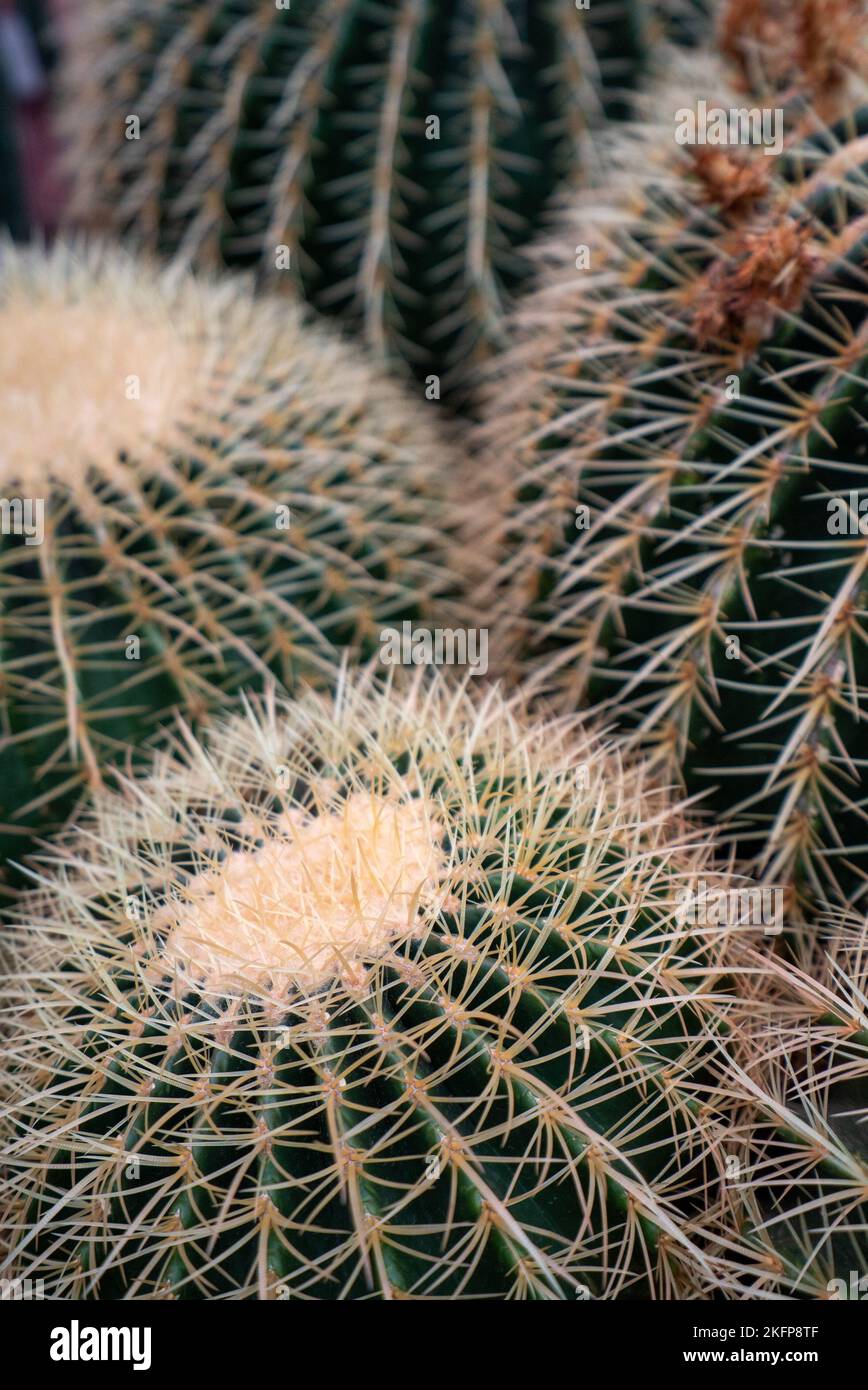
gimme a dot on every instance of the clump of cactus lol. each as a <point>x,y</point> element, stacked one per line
<point>389,994</point>
<point>389,159</point>
<point>199,490</point>
<point>799,1183</point>
<point>685,418</point>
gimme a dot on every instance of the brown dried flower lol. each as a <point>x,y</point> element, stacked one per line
<point>762,271</point>
<point>733,182</point>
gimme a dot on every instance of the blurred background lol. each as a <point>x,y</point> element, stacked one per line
<point>31,187</point>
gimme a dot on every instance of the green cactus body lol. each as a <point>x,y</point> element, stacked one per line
<point>683,413</point>
<point>388,158</point>
<point>226,493</point>
<point>367,998</point>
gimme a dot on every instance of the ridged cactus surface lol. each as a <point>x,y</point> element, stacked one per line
<point>200,490</point>
<point>683,426</point>
<point>801,1185</point>
<point>399,153</point>
<point>385,996</point>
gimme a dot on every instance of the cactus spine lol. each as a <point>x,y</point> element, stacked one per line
<point>371,996</point>
<point>802,1183</point>
<point>392,157</point>
<point>682,537</point>
<point>200,490</point>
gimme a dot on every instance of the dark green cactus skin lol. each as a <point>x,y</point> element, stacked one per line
<point>688,23</point>
<point>306,127</point>
<point>826,1248</point>
<point>124,705</point>
<point>639,636</point>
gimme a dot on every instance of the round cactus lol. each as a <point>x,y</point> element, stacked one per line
<point>684,425</point>
<point>384,995</point>
<point>799,1188</point>
<point>199,490</point>
<point>390,159</point>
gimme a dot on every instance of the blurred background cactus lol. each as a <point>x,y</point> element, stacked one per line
<point>390,159</point>
<point>371,996</point>
<point>200,489</point>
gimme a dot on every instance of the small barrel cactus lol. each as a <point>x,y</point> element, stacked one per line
<point>199,490</point>
<point>683,428</point>
<point>800,1176</point>
<point>388,994</point>
<point>390,158</point>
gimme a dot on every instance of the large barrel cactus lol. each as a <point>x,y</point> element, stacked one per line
<point>680,440</point>
<point>389,995</point>
<point>389,158</point>
<point>199,490</point>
